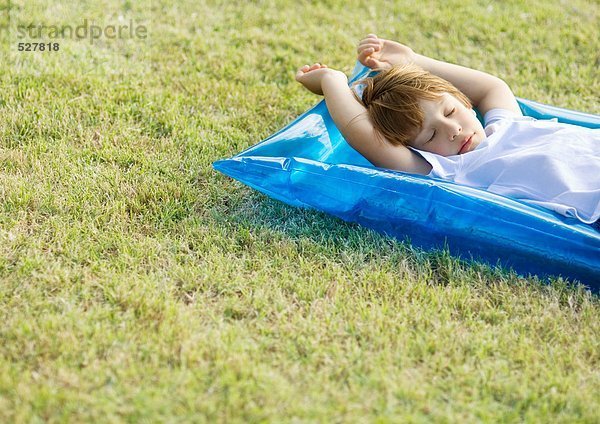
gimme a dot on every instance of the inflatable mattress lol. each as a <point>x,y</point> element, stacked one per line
<point>309,164</point>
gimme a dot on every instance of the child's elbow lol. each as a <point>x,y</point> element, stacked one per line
<point>502,85</point>
<point>500,96</point>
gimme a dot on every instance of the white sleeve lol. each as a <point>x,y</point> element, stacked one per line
<point>495,118</point>
<point>441,167</point>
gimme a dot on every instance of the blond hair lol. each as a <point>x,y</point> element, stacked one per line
<point>392,100</point>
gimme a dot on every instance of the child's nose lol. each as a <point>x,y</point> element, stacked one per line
<point>455,130</point>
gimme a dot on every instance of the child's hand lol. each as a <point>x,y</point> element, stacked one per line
<point>312,77</point>
<point>376,52</point>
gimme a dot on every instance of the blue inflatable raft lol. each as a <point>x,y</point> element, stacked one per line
<point>309,164</point>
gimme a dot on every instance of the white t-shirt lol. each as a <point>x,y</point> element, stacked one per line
<point>542,162</point>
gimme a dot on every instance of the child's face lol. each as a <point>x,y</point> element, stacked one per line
<point>449,127</point>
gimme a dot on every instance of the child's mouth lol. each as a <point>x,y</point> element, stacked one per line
<point>466,145</point>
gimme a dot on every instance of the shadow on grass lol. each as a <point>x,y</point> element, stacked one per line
<point>336,240</point>
<point>253,222</point>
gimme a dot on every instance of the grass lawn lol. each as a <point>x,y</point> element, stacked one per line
<point>137,284</point>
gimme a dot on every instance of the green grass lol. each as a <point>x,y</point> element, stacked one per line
<point>137,284</point>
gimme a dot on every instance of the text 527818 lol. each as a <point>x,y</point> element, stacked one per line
<point>38,47</point>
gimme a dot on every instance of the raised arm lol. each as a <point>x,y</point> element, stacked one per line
<point>484,90</point>
<point>352,120</point>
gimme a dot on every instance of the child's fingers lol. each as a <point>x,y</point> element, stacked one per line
<point>374,63</point>
<point>301,71</point>
<point>370,39</point>
<point>308,68</point>
<point>370,44</point>
<point>368,48</point>
<point>364,55</point>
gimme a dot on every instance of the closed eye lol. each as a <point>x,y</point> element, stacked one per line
<point>431,138</point>
<point>451,112</point>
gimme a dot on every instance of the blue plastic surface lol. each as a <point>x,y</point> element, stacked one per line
<point>309,164</point>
